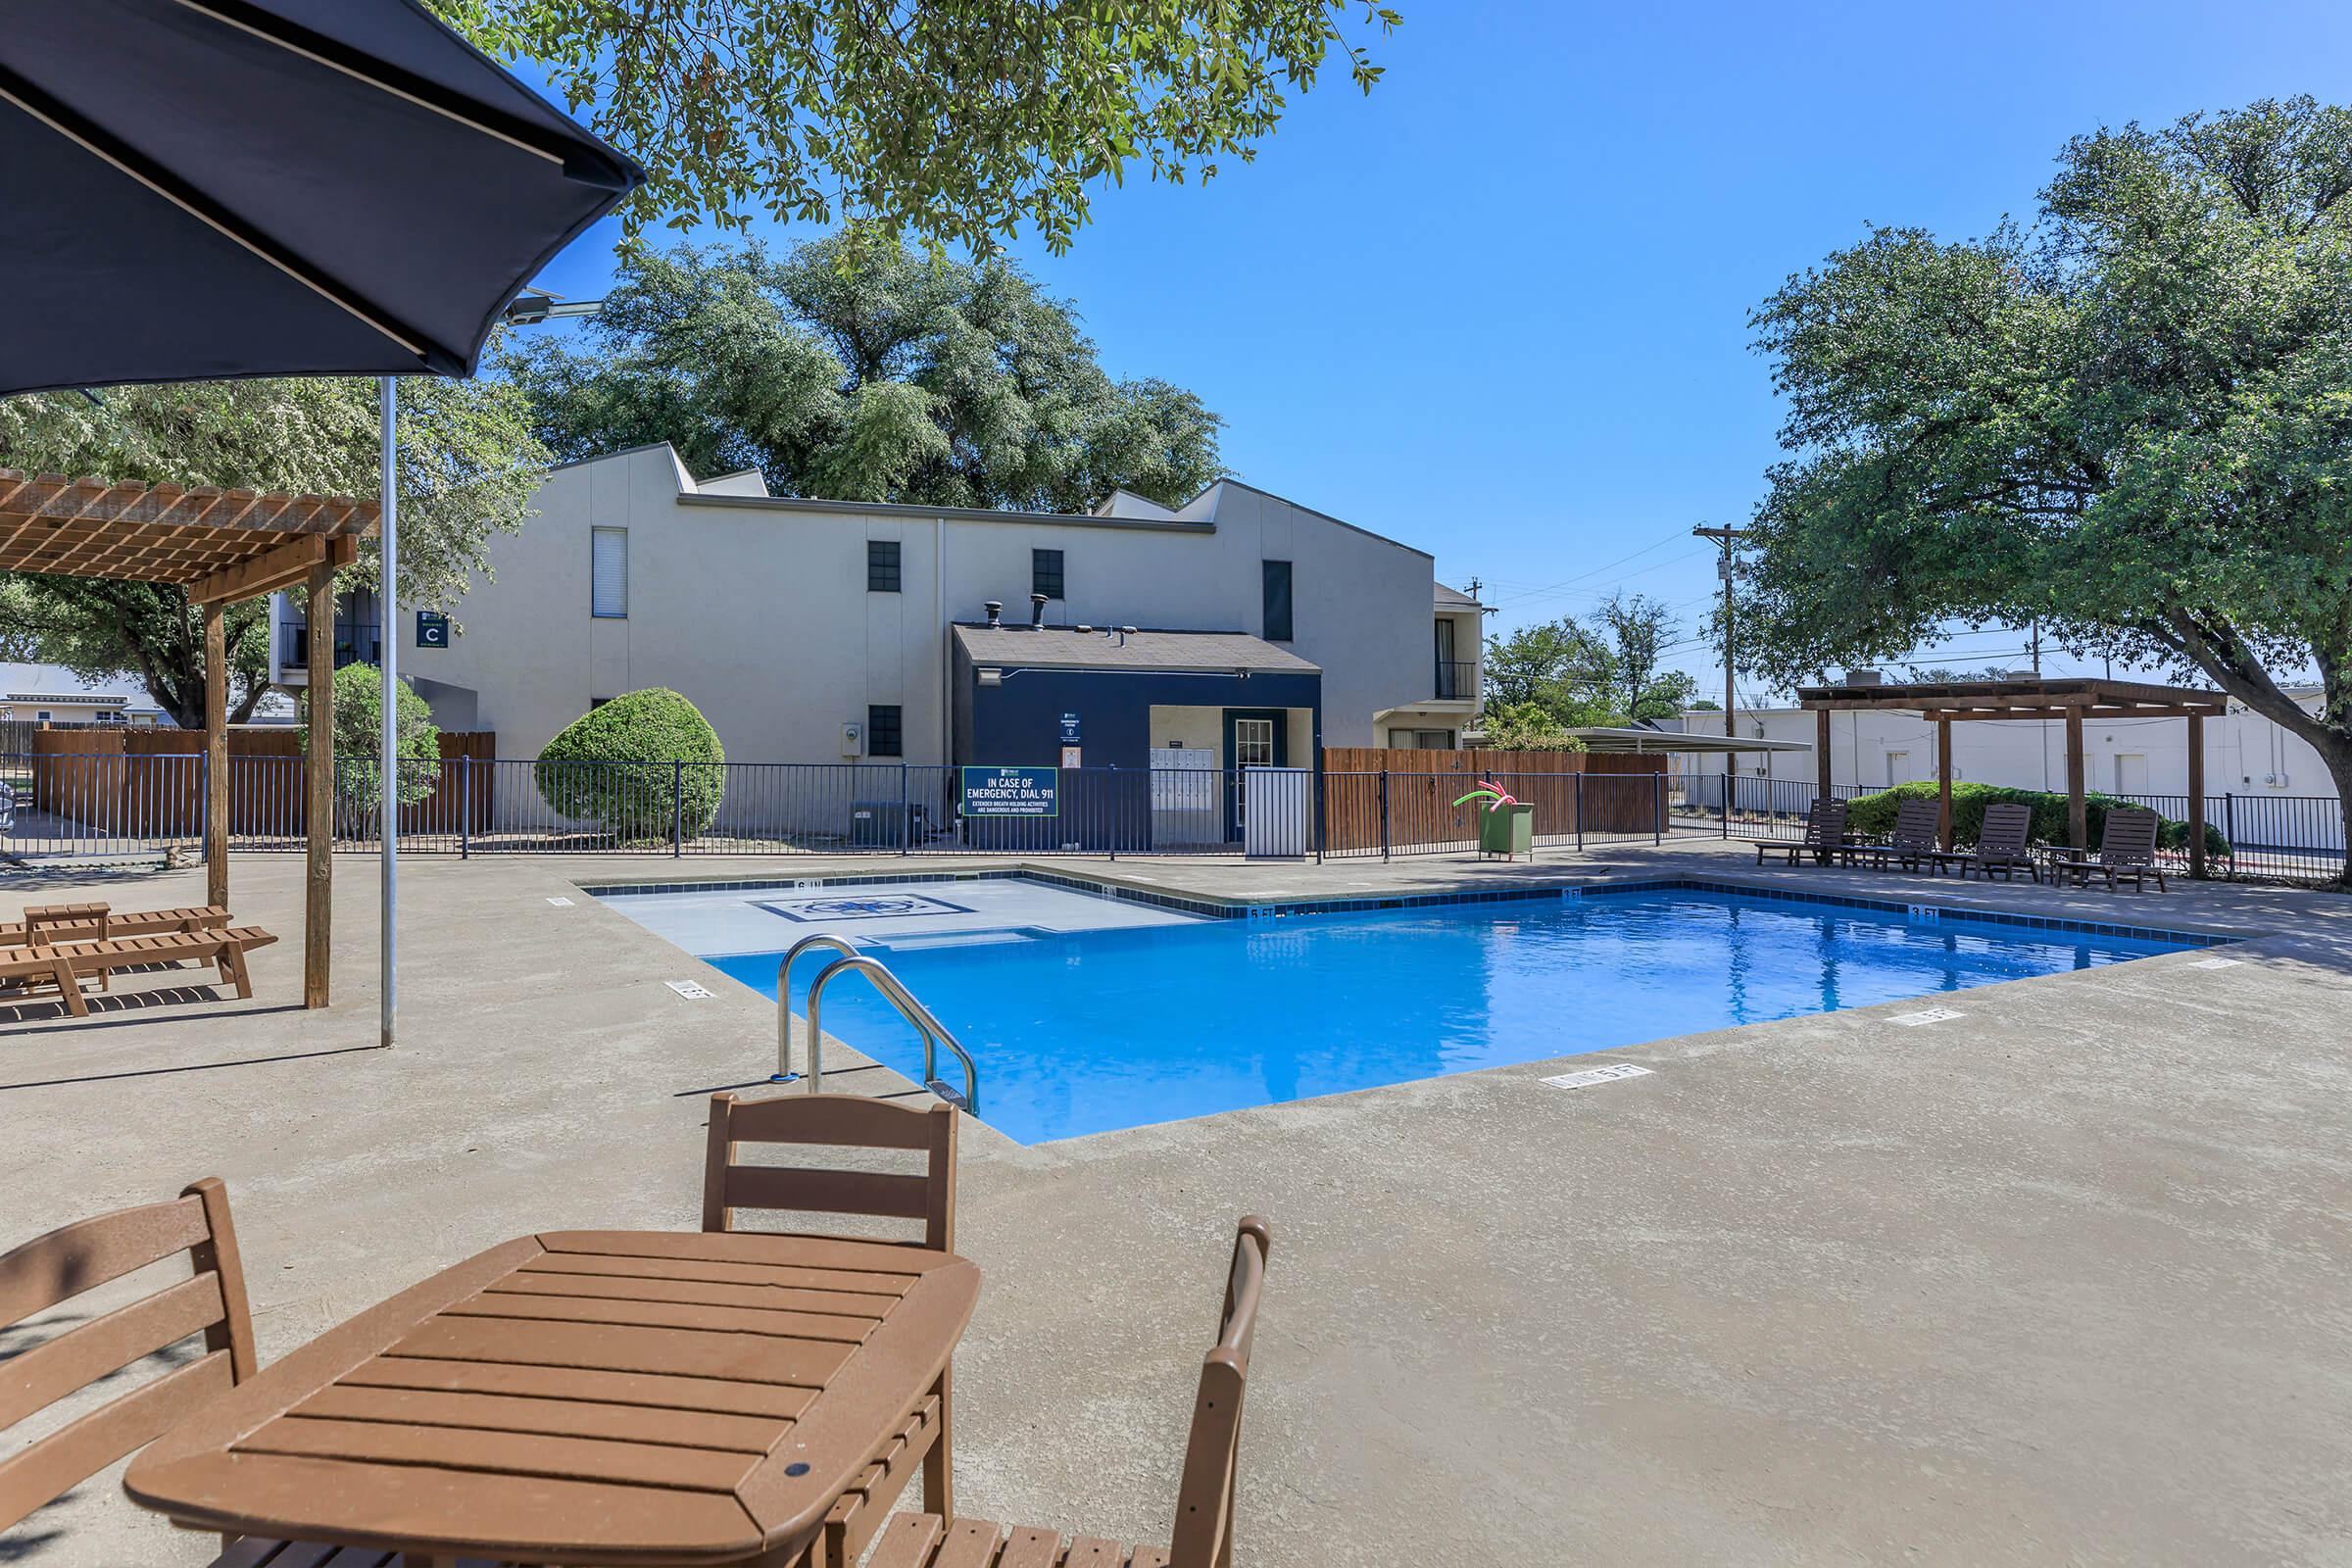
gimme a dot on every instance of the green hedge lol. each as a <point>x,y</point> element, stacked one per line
<point>1874,814</point>
<point>651,733</point>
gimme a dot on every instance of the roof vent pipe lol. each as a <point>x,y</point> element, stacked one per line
<point>1037,612</point>
<point>995,612</point>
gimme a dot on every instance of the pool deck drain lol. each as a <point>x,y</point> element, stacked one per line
<point>1813,1295</point>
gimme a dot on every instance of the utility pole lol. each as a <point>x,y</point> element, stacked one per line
<point>2038,650</point>
<point>1730,722</point>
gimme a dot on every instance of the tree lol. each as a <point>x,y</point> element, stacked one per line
<point>1528,728</point>
<point>1640,629</point>
<point>955,121</point>
<point>2132,420</point>
<point>1559,668</point>
<point>469,465</point>
<point>866,374</point>
<point>359,737</point>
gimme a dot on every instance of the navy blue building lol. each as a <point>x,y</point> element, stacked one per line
<point>1149,728</point>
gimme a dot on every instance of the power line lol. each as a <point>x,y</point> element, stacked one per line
<point>1658,544</point>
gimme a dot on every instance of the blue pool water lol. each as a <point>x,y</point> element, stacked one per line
<point>1106,1029</point>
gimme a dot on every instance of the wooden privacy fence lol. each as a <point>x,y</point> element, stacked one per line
<point>149,783</point>
<point>1400,799</point>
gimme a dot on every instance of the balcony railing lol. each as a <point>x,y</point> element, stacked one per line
<point>1457,679</point>
<point>356,643</point>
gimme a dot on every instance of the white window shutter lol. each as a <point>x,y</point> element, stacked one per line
<point>610,570</point>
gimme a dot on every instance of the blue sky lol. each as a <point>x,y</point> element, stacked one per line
<point>1498,309</point>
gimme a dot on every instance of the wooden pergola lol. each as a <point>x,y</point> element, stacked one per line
<point>2072,700</point>
<point>220,545</point>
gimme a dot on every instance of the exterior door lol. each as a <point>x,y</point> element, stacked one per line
<point>1254,737</point>
<point>1899,768</point>
<point>2131,772</point>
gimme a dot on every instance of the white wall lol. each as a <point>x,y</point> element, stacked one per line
<point>757,609</point>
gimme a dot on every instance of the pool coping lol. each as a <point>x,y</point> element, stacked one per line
<point>1211,908</point>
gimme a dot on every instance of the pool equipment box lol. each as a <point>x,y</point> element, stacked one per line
<point>1012,792</point>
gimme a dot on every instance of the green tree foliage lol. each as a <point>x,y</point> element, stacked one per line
<point>2131,421</point>
<point>870,376</point>
<point>619,765</point>
<point>956,121</point>
<point>469,465</point>
<point>1578,674</point>
<point>360,740</point>
<point>1527,727</point>
<point>1640,629</point>
<point>1874,814</point>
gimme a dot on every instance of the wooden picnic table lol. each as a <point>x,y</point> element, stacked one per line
<point>582,1396</point>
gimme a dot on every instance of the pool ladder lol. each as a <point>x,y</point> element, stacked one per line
<point>894,991</point>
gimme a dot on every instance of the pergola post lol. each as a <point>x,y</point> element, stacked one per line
<point>2077,815</point>
<point>1944,782</point>
<point>2197,794</point>
<point>1821,754</point>
<point>215,756</point>
<point>319,787</point>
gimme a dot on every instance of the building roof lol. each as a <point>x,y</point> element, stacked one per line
<point>1605,738</point>
<point>1142,652</point>
<point>54,683</point>
<point>1455,599</point>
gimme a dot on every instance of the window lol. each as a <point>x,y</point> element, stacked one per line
<point>1277,600</point>
<point>882,732</point>
<point>1044,574</point>
<point>609,574</point>
<point>1421,739</point>
<point>881,566</point>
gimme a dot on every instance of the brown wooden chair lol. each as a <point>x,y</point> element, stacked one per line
<point>81,1257</point>
<point>1203,1537</point>
<point>848,1121</point>
<point>1826,838</point>
<point>61,967</point>
<point>2127,849</point>
<point>2000,846</point>
<point>1916,843</point>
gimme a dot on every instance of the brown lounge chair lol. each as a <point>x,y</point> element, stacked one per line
<point>1916,843</point>
<point>2127,849</point>
<point>96,922</point>
<point>1825,838</point>
<point>2001,843</point>
<point>847,1122</point>
<point>1203,1497</point>
<point>62,965</point>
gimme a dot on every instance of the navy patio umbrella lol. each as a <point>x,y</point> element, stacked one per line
<point>202,190</point>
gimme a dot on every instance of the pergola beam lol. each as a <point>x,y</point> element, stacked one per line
<point>282,567</point>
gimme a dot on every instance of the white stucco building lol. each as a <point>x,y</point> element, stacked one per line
<point>823,631</point>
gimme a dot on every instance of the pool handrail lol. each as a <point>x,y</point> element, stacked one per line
<point>893,990</point>
<point>821,939</point>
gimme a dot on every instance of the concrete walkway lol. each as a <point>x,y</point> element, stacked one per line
<point>2068,1279</point>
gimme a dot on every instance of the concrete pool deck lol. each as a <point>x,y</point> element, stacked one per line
<point>2065,1279</point>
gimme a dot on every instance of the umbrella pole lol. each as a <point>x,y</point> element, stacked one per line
<point>388,778</point>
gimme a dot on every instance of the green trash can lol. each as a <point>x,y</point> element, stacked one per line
<point>1506,830</point>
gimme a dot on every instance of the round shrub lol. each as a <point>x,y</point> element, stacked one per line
<point>620,765</point>
<point>1874,814</point>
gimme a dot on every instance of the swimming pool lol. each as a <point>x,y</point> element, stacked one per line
<point>1089,1031</point>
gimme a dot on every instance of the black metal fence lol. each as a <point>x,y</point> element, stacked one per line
<point>137,805</point>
